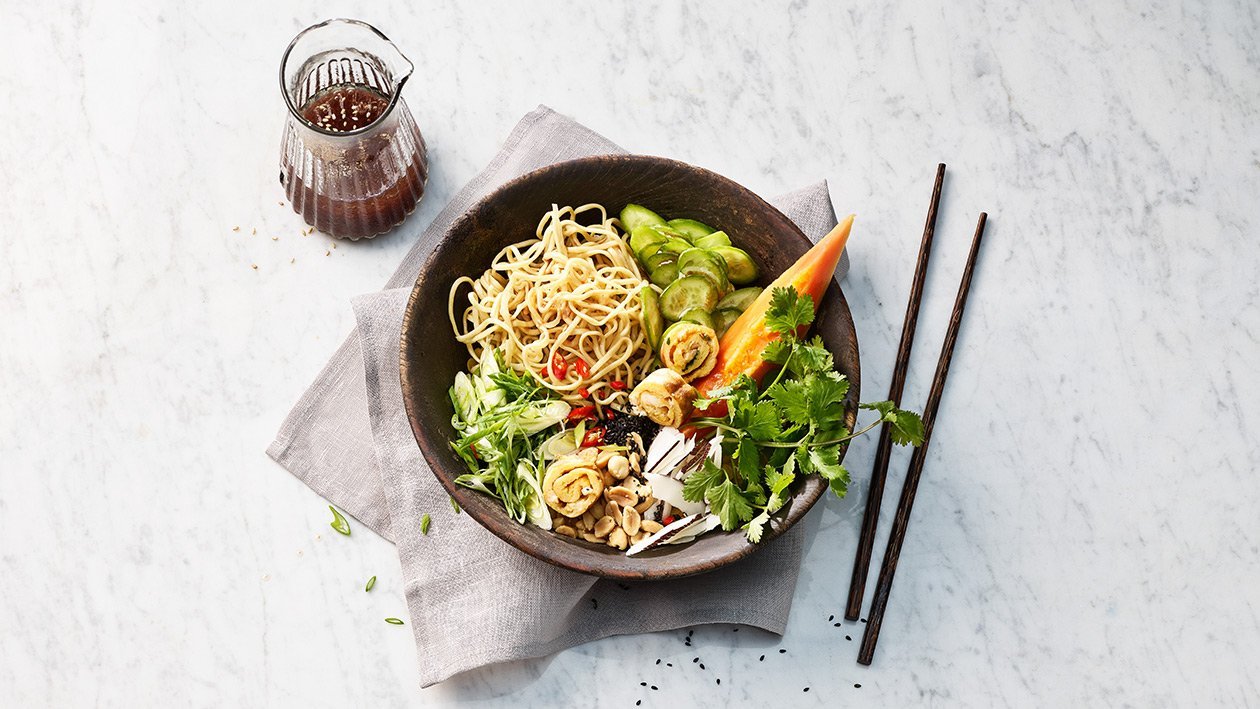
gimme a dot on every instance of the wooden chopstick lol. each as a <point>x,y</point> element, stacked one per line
<point>902,519</point>
<point>870,519</point>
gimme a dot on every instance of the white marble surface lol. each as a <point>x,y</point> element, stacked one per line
<point>1087,528</point>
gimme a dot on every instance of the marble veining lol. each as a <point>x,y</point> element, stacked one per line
<point>1086,532</point>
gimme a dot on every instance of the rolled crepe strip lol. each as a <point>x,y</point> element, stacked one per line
<point>690,349</point>
<point>664,397</point>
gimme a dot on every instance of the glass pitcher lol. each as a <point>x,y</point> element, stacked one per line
<point>352,162</point>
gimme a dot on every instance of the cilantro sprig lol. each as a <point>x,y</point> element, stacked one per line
<point>792,427</point>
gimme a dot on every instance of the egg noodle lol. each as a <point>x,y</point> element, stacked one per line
<point>572,293</point>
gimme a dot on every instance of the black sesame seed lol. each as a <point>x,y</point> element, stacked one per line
<point>763,659</point>
<point>669,664</point>
<point>806,689</point>
<point>695,660</point>
<point>836,624</point>
<point>658,660</point>
<point>719,680</point>
<point>857,686</point>
<point>702,665</point>
<point>654,688</point>
<point>643,684</point>
<point>848,638</point>
<point>830,618</point>
<point>638,702</point>
<point>781,651</point>
<point>863,620</point>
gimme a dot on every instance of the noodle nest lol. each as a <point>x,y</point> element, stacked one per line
<point>571,291</point>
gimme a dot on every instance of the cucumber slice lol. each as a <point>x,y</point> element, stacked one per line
<point>702,262</point>
<point>723,317</point>
<point>740,267</point>
<point>660,258</point>
<point>676,246</point>
<point>686,293</point>
<point>690,228</point>
<point>653,323</point>
<point>635,216</point>
<point>664,274</point>
<point>740,300</point>
<point>644,236</point>
<point>649,251</point>
<point>699,317</point>
<point>717,238</point>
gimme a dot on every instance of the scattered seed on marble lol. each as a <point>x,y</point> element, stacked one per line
<point>719,680</point>
<point>836,624</point>
<point>863,620</point>
<point>638,702</point>
<point>857,686</point>
<point>669,664</point>
<point>806,689</point>
<point>763,659</point>
<point>848,638</point>
<point>702,665</point>
<point>643,684</point>
<point>658,660</point>
<point>695,660</point>
<point>782,651</point>
<point>653,688</point>
<point>830,618</point>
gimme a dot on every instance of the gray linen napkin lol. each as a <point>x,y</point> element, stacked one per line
<point>348,439</point>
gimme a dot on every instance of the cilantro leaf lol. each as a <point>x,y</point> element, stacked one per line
<point>748,460</point>
<point>789,311</point>
<point>815,399</point>
<point>780,480</point>
<point>697,485</point>
<point>755,494</point>
<point>729,504</point>
<point>811,357</point>
<point>778,350</point>
<point>760,421</point>
<point>826,462</point>
<point>757,526</point>
<point>907,426</point>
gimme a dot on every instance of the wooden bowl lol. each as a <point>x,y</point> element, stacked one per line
<point>431,356</point>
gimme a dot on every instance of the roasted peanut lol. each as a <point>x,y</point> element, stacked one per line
<point>604,456</point>
<point>623,496</point>
<point>605,525</point>
<point>650,527</point>
<point>630,521</point>
<point>638,537</point>
<point>619,466</point>
<point>588,536</point>
<point>643,506</point>
<point>589,519</point>
<point>567,531</point>
<point>612,509</point>
<point>618,539</point>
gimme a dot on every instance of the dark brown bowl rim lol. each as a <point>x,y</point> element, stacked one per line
<point>796,509</point>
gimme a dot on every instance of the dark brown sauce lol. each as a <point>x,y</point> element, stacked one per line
<point>345,107</point>
<point>377,182</point>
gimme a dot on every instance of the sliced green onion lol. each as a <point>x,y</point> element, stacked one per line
<point>371,582</point>
<point>393,621</point>
<point>339,522</point>
<point>454,505</point>
<point>425,521</point>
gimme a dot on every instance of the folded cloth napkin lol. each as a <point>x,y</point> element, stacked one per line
<point>348,439</point>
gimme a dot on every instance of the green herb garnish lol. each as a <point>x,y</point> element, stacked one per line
<point>795,425</point>
<point>339,522</point>
<point>371,582</point>
<point>454,504</point>
<point>394,621</point>
<point>425,521</point>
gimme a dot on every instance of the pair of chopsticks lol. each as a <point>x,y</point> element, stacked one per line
<point>901,521</point>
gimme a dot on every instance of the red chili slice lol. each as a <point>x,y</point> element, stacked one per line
<point>581,368</point>
<point>669,520</point>
<point>594,437</point>
<point>584,392</point>
<point>617,384</point>
<point>559,367</point>
<point>577,413</point>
